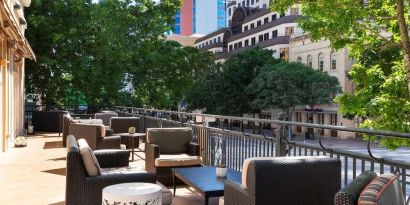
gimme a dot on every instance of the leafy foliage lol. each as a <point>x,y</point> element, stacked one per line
<point>376,36</point>
<point>86,51</point>
<point>286,85</point>
<point>223,89</point>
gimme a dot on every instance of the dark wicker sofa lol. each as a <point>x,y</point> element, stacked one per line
<point>286,180</point>
<point>82,189</point>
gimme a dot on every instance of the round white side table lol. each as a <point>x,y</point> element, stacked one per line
<point>132,193</point>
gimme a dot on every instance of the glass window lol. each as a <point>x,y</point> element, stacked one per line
<point>253,40</point>
<point>274,33</point>
<point>334,61</point>
<point>259,23</point>
<point>274,17</point>
<point>309,61</point>
<point>253,1</point>
<point>245,28</point>
<point>252,26</point>
<point>299,59</point>
<point>240,44</point>
<point>247,2</point>
<point>321,61</point>
<point>230,47</point>
<point>266,20</point>
<point>266,36</point>
<point>246,42</point>
<point>260,38</point>
<point>294,11</point>
<point>289,30</point>
<point>264,6</point>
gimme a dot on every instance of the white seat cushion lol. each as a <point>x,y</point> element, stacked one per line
<point>177,160</point>
<point>89,160</point>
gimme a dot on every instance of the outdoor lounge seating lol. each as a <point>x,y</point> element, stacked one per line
<point>69,121</point>
<point>95,136</point>
<point>121,125</point>
<point>168,148</point>
<point>84,189</point>
<point>285,180</point>
<point>370,189</point>
<point>105,117</point>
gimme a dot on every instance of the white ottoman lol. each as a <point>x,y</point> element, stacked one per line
<point>132,193</point>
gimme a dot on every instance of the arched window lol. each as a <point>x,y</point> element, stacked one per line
<point>299,59</point>
<point>333,60</point>
<point>309,61</point>
<point>321,61</point>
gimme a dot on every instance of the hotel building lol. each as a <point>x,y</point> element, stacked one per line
<point>14,48</point>
<point>252,24</point>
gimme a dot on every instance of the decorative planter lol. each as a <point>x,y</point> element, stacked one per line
<point>30,129</point>
<point>131,130</point>
<point>221,171</point>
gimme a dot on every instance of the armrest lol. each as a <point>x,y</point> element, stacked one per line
<point>151,153</point>
<point>235,194</point>
<point>110,142</point>
<point>193,149</point>
<point>112,158</point>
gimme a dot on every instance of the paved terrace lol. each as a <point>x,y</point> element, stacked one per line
<point>36,174</point>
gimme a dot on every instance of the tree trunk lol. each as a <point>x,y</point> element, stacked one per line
<point>404,34</point>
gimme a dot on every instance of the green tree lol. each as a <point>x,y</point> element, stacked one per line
<point>227,87</point>
<point>85,50</point>
<point>285,85</point>
<point>377,37</point>
<point>166,71</point>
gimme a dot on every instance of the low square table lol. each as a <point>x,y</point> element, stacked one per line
<point>133,136</point>
<point>204,180</point>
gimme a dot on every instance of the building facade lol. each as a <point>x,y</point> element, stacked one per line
<point>251,25</point>
<point>200,17</point>
<point>14,48</point>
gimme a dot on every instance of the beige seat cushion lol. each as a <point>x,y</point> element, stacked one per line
<point>89,160</point>
<point>166,194</point>
<point>177,160</point>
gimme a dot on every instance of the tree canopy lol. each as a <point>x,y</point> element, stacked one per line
<point>95,52</point>
<point>226,85</point>
<point>376,33</point>
<point>285,85</point>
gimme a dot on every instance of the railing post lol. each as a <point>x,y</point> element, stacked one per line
<point>280,142</point>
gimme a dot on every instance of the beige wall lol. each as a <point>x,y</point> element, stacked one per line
<point>13,49</point>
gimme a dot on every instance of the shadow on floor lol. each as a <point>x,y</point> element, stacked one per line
<point>58,159</point>
<point>60,171</point>
<point>53,145</point>
<point>58,203</point>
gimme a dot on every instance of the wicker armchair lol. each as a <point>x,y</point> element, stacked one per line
<point>105,117</point>
<point>288,180</point>
<point>82,189</point>
<point>95,136</point>
<point>168,148</point>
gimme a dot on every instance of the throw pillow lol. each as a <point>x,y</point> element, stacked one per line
<point>383,190</point>
<point>89,160</point>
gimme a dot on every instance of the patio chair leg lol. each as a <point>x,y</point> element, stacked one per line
<point>173,182</point>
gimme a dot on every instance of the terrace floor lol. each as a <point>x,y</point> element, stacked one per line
<point>36,174</point>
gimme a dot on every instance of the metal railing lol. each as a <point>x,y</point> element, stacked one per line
<point>239,145</point>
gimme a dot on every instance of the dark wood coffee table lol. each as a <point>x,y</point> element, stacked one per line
<point>132,137</point>
<point>204,180</point>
